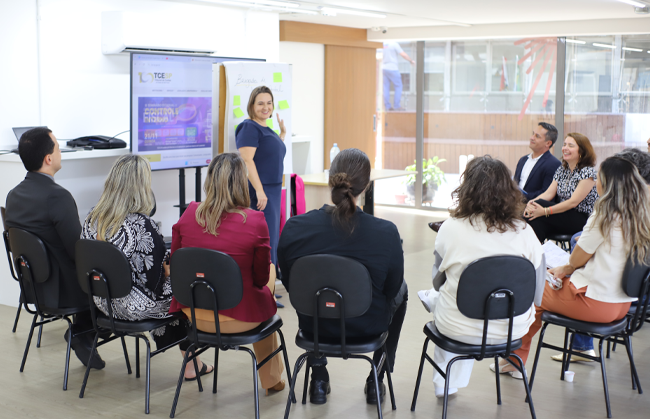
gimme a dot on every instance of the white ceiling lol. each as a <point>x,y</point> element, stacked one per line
<point>408,13</point>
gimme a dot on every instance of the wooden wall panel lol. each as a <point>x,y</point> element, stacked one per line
<point>350,91</point>
<point>325,34</point>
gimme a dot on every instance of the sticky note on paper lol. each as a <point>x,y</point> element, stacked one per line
<point>269,123</point>
<point>277,77</point>
<point>236,101</point>
<point>283,104</point>
<point>238,113</point>
<point>276,131</point>
<point>236,125</point>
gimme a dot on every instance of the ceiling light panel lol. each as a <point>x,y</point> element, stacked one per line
<point>632,49</point>
<point>633,3</point>
<point>596,44</point>
<point>332,11</point>
<point>575,41</point>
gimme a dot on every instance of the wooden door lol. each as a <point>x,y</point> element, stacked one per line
<point>350,94</point>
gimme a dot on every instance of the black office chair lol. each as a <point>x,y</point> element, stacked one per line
<point>490,288</point>
<point>636,283</point>
<point>563,240</point>
<point>103,271</point>
<point>5,236</point>
<point>33,270</point>
<point>334,287</point>
<point>211,280</point>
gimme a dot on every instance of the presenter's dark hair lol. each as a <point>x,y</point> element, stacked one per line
<point>349,176</point>
<point>551,132</point>
<point>251,101</point>
<point>488,192</point>
<point>33,146</point>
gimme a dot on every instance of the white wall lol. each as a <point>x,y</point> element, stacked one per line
<point>308,70</point>
<point>83,92</point>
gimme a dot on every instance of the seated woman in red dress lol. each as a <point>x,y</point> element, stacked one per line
<point>224,222</point>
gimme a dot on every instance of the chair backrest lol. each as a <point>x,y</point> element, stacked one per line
<point>636,284</point>
<point>3,215</point>
<point>102,269</point>
<point>31,262</point>
<point>206,267</point>
<point>330,287</point>
<point>496,287</point>
<point>316,279</point>
<point>5,237</point>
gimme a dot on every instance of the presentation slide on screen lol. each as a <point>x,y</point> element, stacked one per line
<point>171,105</point>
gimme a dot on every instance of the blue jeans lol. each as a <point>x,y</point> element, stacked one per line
<point>580,342</point>
<point>394,77</point>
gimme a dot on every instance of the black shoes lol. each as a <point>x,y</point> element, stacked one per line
<point>371,395</point>
<point>82,345</point>
<point>435,226</point>
<point>318,391</point>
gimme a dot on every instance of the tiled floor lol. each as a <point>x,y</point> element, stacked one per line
<point>37,393</point>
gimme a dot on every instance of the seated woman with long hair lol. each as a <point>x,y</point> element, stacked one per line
<point>486,222</point>
<point>343,229</point>
<point>568,202</point>
<point>224,222</point>
<point>121,217</point>
<point>619,227</point>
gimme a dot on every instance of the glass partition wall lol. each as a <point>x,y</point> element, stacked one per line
<point>487,96</point>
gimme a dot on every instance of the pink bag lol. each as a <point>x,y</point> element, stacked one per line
<point>298,205</point>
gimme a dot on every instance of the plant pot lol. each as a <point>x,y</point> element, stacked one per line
<point>428,191</point>
<point>400,199</point>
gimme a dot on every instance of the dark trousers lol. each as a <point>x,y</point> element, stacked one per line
<point>319,371</point>
<point>568,222</point>
<point>170,334</point>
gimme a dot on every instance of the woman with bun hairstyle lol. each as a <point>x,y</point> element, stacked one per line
<point>345,230</point>
<point>263,151</point>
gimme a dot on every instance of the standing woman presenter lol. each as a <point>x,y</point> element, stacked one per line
<point>263,152</point>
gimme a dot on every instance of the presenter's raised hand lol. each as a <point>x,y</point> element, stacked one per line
<point>283,129</point>
<point>261,199</point>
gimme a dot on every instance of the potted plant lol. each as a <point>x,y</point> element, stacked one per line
<point>432,178</point>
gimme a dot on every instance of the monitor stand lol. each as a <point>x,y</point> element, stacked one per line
<point>182,206</point>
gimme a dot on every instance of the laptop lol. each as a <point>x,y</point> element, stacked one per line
<point>19,131</point>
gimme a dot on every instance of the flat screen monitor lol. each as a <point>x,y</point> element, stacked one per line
<point>171,108</point>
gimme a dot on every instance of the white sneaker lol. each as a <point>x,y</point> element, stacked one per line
<point>575,358</point>
<point>424,297</point>
<point>514,374</point>
<point>440,391</point>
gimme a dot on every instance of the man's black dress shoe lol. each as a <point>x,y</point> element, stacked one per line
<point>435,226</point>
<point>371,396</point>
<point>82,347</point>
<point>318,391</point>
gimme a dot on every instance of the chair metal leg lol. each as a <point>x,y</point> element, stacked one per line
<point>137,358</point>
<point>528,396</point>
<point>376,379</point>
<point>147,391</point>
<point>419,377</point>
<point>29,341</point>
<point>255,385</point>
<point>17,317</point>
<point>602,367</point>
<point>635,375</point>
<point>40,333</point>
<point>539,349</point>
<point>198,374</point>
<point>83,385</point>
<point>126,355</point>
<point>390,388</point>
<point>497,378</point>
<point>180,380</point>
<point>292,383</point>
<point>304,387</point>
<point>67,354</point>
<point>566,357</point>
<point>447,374</point>
<point>216,370</point>
<point>609,347</point>
<point>286,359</point>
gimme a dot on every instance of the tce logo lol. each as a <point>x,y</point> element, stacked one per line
<point>151,77</point>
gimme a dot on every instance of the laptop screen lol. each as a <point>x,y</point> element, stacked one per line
<point>18,132</point>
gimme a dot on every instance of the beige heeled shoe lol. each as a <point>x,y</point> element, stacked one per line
<point>278,387</point>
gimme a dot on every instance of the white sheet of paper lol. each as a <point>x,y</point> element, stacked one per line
<point>554,255</point>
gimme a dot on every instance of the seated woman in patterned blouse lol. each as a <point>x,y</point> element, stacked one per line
<point>121,218</point>
<point>566,205</point>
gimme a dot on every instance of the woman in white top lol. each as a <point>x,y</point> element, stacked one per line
<point>487,221</point>
<point>618,227</point>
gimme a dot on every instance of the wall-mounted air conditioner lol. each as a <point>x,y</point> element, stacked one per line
<point>127,32</point>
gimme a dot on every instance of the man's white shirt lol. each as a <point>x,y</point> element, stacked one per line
<point>528,167</point>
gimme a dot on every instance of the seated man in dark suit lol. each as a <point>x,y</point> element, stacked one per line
<point>534,172</point>
<point>40,206</point>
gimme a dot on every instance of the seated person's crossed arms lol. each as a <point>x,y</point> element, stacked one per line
<point>40,206</point>
<point>121,217</point>
<point>345,230</point>
<point>225,222</point>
